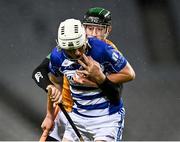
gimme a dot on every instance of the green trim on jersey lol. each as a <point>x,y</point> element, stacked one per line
<point>48,56</point>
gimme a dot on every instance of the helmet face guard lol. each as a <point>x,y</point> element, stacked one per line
<point>97,16</point>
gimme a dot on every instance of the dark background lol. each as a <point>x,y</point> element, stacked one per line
<point>146,31</point>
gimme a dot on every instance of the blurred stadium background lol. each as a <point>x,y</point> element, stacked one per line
<point>146,31</point>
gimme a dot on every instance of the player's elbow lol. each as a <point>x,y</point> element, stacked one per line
<point>132,75</point>
<point>129,72</point>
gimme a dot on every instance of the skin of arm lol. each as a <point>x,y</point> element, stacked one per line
<point>48,122</point>
<point>125,75</point>
<point>56,89</point>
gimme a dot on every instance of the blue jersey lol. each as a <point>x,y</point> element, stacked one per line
<point>89,101</point>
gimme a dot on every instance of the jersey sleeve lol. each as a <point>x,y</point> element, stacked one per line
<point>55,62</point>
<point>116,60</point>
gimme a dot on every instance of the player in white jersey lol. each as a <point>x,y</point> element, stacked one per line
<point>98,109</point>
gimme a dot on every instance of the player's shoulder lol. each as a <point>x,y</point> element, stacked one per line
<point>99,49</point>
<point>96,41</point>
<point>110,43</point>
<point>97,44</point>
<point>56,55</point>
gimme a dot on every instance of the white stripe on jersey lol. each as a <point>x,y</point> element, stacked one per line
<point>90,102</point>
<point>69,72</point>
<point>84,92</point>
<point>94,113</point>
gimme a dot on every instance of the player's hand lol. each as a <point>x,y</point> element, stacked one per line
<point>47,125</point>
<point>91,69</point>
<point>54,94</point>
<point>81,79</point>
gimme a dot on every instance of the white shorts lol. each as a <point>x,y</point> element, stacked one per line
<point>107,128</point>
<point>59,126</point>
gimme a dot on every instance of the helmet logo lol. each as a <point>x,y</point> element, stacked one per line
<point>94,19</point>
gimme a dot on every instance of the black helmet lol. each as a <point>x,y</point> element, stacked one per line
<point>97,16</point>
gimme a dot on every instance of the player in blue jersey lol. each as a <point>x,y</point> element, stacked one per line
<point>98,108</point>
<point>97,22</point>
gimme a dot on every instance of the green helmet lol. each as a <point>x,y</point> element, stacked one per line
<point>97,16</point>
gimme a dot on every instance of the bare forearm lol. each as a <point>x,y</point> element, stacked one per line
<point>50,108</point>
<point>125,75</point>
<point>119,78</point>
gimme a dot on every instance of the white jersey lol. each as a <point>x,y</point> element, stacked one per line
<point>89,101</point>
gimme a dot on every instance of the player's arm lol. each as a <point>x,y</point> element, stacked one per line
<point>57,78</point>
<point>42,77</point>
<point>125,75</point>
<point>109,84</point>
<point>53,89</point>
<point>48,122</point>
<point>40,74</point>
<point>112,84</point>
<point>93,71</point>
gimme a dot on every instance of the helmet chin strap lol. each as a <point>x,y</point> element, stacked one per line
<point>106,35</point>
<point>107,32</point>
